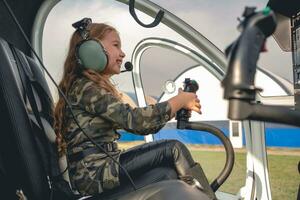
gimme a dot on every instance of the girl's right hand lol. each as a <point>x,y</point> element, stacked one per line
<point>186,100</point>
<point>190,101</point>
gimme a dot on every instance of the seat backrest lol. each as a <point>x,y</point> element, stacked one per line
<point>24,147</point>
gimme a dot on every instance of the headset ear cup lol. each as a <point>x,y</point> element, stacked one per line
<point>92,55</point>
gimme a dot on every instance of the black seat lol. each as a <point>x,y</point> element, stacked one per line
<point>21,168</point>
<point>27,141</point>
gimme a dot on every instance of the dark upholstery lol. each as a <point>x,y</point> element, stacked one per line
<point>25,11</point>
<point>18,148</point>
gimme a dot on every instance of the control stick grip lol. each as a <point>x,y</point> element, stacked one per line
<point>182,116</point>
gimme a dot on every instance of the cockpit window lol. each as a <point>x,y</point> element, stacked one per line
<point>160,66</point>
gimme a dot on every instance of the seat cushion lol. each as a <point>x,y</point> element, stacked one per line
<point>152,176</point>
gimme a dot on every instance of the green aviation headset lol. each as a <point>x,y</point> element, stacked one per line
<point>89,53</point>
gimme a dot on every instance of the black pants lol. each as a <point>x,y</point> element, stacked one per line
<point>155,161</point>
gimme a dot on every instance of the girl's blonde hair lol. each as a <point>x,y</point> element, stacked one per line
<point>73,71</point>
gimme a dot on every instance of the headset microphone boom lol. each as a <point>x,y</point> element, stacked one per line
<point>128,67</point>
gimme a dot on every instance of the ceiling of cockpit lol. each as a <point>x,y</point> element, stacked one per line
<point>25,11</point>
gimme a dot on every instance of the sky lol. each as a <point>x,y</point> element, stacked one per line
<point>216,20</point>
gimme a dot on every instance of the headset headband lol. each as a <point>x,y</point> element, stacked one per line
<point>81,26</point>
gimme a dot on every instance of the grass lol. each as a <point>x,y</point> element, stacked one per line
<point>213,162</point>
<point>283,171</point>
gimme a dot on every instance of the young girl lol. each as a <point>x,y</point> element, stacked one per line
<point>100,111</point>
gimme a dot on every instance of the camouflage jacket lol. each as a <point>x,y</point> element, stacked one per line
<point>100,114</point>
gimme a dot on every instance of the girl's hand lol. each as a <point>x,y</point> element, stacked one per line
<point>190,101</point>
<point>186,100</point>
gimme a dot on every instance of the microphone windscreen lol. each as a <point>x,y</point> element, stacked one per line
<point>128,66</point>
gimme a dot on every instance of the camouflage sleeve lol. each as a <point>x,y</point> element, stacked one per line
<point>141,121</point>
